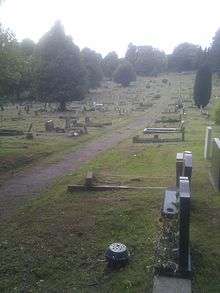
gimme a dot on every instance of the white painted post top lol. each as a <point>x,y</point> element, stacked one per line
<point>179,156</point>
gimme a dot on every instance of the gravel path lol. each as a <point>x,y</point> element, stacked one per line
<point>32,182</point>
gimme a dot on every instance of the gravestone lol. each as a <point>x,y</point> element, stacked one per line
<point>169,209</point>
<point>49,126</point>
<point>67,123</point>
<point>208,143</point>
<point>215,164</point>
<point>184,226</point>
<point>187,164</point>
<point>89,179</point>
<point>179,167</point>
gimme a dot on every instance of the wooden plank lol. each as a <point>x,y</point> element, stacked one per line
<point>75,187</point>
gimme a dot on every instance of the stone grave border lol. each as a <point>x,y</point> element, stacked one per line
<point>161,130</point>
<point>176,206</point>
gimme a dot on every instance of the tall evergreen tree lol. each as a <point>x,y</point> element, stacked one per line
<point>10,64</point>
<point>124,74</point>
<point>93,65</point>
<point>203,86</point>
<point>59,75</point>
<point>185,57</point>
<point>110,63</point>
<point>146,60</point>
<point>131,54</point>
<point>24,87</point>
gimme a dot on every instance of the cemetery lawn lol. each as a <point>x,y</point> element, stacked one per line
<point>19,152</point>
<point>58,240</point>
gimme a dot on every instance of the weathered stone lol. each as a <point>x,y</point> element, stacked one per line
<point>49,126</point>
<point>171,285</point>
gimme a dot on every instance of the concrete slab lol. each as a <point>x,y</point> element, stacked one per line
<point>171,285</point>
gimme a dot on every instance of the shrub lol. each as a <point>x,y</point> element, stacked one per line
<point>124,74</point>
<point>203,86</point>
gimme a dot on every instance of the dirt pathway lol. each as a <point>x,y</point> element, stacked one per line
<point>29,183</point>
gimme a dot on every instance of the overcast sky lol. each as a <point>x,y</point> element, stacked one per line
<point>107,25</point>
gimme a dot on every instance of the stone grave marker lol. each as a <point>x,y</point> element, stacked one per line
<point>215,164</point>
<point>184,226</point>
<point>208,143</point>
<point>179,167</point>
<point>187,162</point>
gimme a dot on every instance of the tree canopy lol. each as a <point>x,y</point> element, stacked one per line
<point>93,65</point>
<point>203,86</point>
<point>185,57</point>
<point>10,63</point>
<point>146,60</point>
<point>124,74</point>
<point>215,52</point>
<point>59,74</point>
<point>110,63</point>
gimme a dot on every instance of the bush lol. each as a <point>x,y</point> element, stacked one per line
<point>203,86</point>
<point>124,74</point>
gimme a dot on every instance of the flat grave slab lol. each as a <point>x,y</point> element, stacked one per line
<point>171,285</point>
<point>169,208</point>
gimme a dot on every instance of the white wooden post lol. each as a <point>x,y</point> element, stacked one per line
<point>208,143</point>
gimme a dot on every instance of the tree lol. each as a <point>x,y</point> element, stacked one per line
<point>146,60</point>
<point>110,63</point>
<point>185,57</point>
<point>59,74</point>
<point>203,86</point>
<point>124,74</point>
<point>27,47</point>
<point>215,53</point>
<point>93,65</point>
<point>10,64</point>
<point>24,87</point>
<point>131,54</point>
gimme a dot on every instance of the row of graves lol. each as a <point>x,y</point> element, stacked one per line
<point>166,134</point>
<point>173,260</point>
<point>172,252</point>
